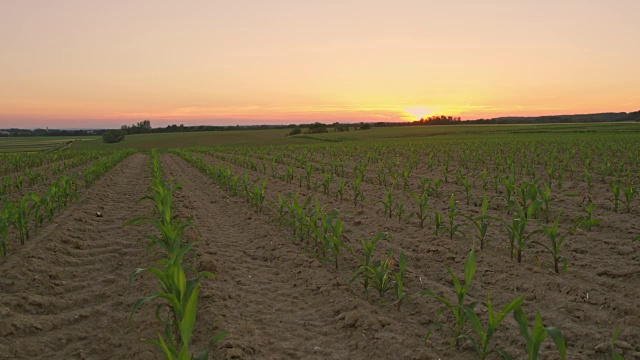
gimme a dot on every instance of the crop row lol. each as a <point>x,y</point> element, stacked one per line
<point>21,217</point>
<point>321,232</point>
<point>38,175</point>
<point>177,291</point>
<point>18,162</point>
<point>531,218</point>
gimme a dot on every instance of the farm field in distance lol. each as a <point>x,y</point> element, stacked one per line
<point>37,144</point>
<point>324,246</point>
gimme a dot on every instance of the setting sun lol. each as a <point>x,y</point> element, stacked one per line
<point>418,112</point>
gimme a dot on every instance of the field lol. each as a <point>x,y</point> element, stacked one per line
<point>38,144</point>
<point>351,245</point>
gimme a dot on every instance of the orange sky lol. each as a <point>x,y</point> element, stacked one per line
<point>86,63</point>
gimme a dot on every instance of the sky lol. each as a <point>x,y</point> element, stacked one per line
<point>90,63</point>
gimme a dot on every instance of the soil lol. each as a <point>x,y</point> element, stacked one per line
<point>65,294</point>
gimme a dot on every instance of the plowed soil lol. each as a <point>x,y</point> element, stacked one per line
<point>65,294</point>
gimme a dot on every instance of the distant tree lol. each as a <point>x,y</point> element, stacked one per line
<point>295,131</point>
<point>113,136</point>
<point>317,128</point>
<point>365,126</point>
<point>141,127</point>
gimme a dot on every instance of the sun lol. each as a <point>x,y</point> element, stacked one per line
<point>418,112</point>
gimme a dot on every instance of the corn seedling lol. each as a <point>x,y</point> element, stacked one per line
<point>5,217</point>
<point>331,234</point>
<point>588,178</point>
<point>399,279</point>
<point>438,223</point>
<point>484,335</point>
<point>612,345</point>
<point>467,188</point>
<point>20,218</point>
<point>455,308</point>
<point>451,227</point>
<point>257,195</point>
<point>615,190</point>
<point>556,240</point>
<point>341,186</point>
<point>538,334</point>
<point>387,203</point>
<point>401,211</point>
<point>181,302</point>
<point>589,220</point>
<point>327,179</point>
<point>423,207</point>
<point>517,229</point>
<point>480,222</point>
<point>382,274</point>
<point>629,192</point>
<point>357,193</point>
<point>366,271</point>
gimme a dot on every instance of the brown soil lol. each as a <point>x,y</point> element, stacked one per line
<point>276,301</point>
<point>598,293</point>
<point>65,296</point>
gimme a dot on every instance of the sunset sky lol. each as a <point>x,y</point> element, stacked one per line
<point>90,63</point>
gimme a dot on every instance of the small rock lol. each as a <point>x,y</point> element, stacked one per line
<point>602,348</point>
<point>625,250</point>
<point>98,214</point>
<point>623,345</point>
<point>234,353</point>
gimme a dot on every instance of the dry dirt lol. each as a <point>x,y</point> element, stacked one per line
<point>64,295</point>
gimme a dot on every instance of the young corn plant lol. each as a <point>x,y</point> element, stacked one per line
<point>181,302</point>
<point>483,335</point>
<point>538,335</point>
<point>257,195</point>
<point>434,186</point>
<point>387,203</point>
<point>382,274</point>
<point>341,186</point>
<point>517,229</point>
<point>5,217</point>
<point>455,308</point>
<point>481,222</point>
<point>422,201</point>
<point>401,211</point>
<point>36,211</point>
<point>438,223</point>
<point>451,227</point>
<point>556,240</point>
<point>509,189</point>
<point>615,190</point>
<point>20,218</point>
<point>281,209</point>
<point>332,234</point>
<point>612,345</point>
<point>588,218</point>
<point>630,192</point>
<point>588,178</point>
<point>366,270</point>
<point>400,280</point>
<point>464,181</point>
<point>327,179</point>
<point>358,195</point>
